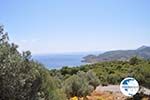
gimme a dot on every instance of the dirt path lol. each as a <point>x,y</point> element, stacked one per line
<point>110,92</point>
<point>109,88</point>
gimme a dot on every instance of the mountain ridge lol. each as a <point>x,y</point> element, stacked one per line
<point>119,55</point>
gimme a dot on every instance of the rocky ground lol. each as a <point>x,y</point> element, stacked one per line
<point>112,92</point>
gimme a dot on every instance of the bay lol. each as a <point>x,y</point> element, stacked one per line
<point>57,61</point>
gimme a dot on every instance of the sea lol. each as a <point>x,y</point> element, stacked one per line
<point>57,61</point>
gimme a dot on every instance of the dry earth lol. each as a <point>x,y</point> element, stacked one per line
<point>111,92</point>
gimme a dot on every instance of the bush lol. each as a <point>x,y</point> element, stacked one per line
<point>23,79</point>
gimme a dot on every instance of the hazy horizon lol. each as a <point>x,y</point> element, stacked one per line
<point>46,27</point>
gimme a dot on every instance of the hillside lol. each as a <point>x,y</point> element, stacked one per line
<point>120,55</point>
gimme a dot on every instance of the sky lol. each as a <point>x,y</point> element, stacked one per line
<point>60,26</point>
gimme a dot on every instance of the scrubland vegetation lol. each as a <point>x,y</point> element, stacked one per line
<point>21,78</point>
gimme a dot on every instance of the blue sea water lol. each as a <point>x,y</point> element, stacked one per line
<point>56,61</point>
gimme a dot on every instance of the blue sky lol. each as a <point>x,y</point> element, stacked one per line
<point>57,26</point>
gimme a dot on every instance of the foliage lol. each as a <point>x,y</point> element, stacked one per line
<point>78,85</point>
<point>134,60</point>
<point>112,72</point>
<point>21,78</point>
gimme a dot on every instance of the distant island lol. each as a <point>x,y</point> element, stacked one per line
<point>119,55</point>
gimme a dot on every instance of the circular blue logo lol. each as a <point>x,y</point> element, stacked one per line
<point>129,86</point>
